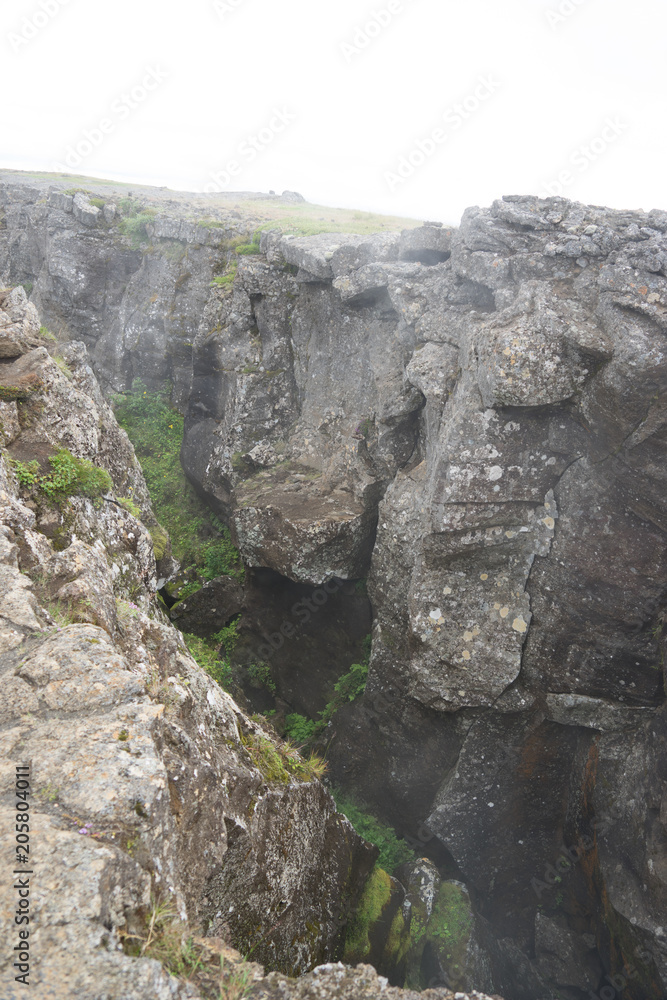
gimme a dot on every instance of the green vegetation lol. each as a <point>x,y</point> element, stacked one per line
<point>376,895</point>
<point>226,279</point>
<point>299,729</point>
<point>351,685</point>
<point>189,589</point>
<point>135,228</point>
<point>164,939</point>
<point>45,334</point>
<point>260,676</point>
<point>27,473</point>
<point>69,476</point>
<point>200,542</point>
<point>97,202</point>
<point>227,637</point>
<point>281,762</point>
<point>214,656</point>
<point>134,220</point>
<point>245,249</point>
<point>63,366</point>
<point>160,539</point>
<point>210,224</point>
<point>220,556</point>
<point>216,666</point>
<point>49,793</point>
<point>131,507</point>
<point>348,687</point>
<point>393,850</point>
<point>305,219</point>
<point>447,931</point>
<point>28,286</point>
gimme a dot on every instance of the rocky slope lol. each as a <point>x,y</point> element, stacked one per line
<point>475,418</point>
<point>150,788</point>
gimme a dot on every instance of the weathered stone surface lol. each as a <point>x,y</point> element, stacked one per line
<point>148,782</point>
<point>19,325</point>
<point>290,521</point>
<point>445,949</point>
<point>211,608</point>
<point>492,398</point>
<point>565,957</point>
<point>84,212</point>
<point>431,244</point>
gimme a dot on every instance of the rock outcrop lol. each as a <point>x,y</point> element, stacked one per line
<point>150,788</point>
<point>475,418</point>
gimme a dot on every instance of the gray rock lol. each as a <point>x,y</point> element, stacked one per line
<point>211,608</point>
<point>262,456</point>
<point>84,212</point>
<point>147,780</point>
<point>565,957</point>
<point>515,473</point>
<point>65,202</point>
<point>592,713</point>
<point>431,244</point>
<point>292,197</point>
<point>19,324</point>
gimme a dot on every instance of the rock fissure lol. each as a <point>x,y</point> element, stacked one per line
<point>467,418</point>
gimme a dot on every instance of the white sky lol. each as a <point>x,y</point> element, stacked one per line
<point>229,70</point>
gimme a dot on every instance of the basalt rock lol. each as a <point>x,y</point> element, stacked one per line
<point>211,608</point>
<point>149,786</point>
<point>476,419</point>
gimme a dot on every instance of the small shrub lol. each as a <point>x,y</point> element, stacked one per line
<point>260,676</point>
<point>128,206</point>
<point>221,557</point>
<point>26,473</point>
<point>130,506</point>
<point>350,686</point>
<point>69,476</point>
<point>299,728</point>
<point>281,762</point>
<point>227,637</point>
<point>134,226</point>
<point>250,248</point>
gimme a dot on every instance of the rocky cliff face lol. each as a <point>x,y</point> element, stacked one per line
<point>151,791</point>
<point>475,418</point>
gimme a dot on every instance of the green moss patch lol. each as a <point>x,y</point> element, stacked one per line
<point>376,895</point>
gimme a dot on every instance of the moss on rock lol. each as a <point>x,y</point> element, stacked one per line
<point>160,540</point>
<point>376,895</point>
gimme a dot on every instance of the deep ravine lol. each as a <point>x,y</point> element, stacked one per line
<point>414,484</point>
